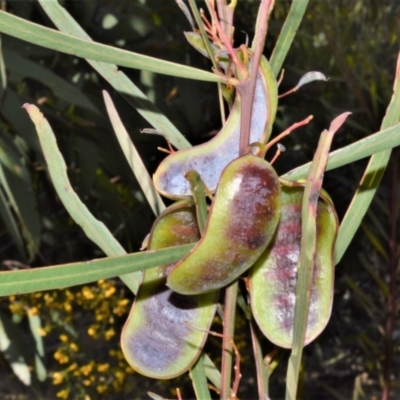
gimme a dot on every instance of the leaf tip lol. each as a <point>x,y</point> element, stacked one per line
<point>338,122</point>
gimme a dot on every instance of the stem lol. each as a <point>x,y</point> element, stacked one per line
<point>246,88</point>
<point>262,383</point>
<point>391,305</point>
<point>229,328</point>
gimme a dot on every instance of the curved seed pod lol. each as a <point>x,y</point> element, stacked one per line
<point>210,158</point>
<point>159,338</point>
<point>241,222</point>
<point>272,279</point>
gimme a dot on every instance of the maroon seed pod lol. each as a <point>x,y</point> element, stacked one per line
<point>272,279</point>
<point>241,222</point>
<point>160,339</point>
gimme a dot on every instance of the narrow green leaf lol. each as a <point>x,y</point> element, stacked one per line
<point>372,176</point>
<point>211,371</point>
<point>117,79</point>
<point>382,140</point>
<point>9,220</point>
<point>206,41</point>
<point>3,75</point>
<point>199,197</point>
<point>52,39</point>
<point>35,325</point>
<point>133,158</point>
<point>66,275</point>
<point>20,199</point>
<point>307,253</point>
<point>10,347</point>
<point>60,87</point>
<point>199,380</point>
<point>93,228</point>
<point>287,34</point>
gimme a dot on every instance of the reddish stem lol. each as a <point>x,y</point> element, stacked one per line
<point>246,88</point>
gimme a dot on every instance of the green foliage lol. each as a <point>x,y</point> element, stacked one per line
<point>73,331</point>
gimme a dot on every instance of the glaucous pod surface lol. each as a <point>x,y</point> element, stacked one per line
<point>272,279</point>
<point>159,339</point>
<point>242,220</point>
<point>209,159</point>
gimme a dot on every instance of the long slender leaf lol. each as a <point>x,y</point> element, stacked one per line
<point>61,87</point>
<point>379,141</point>
<point>52,39</point>
<point>287,34</point>
<point>93,228</point>
<point>11,347</point>
<point>212,372</point>
<point>372,176</point>
<point>18,192</point>
<point>3,75</point>
<point>133,158</point>
<point>9,220</point>
<point>117,79</point>
<point>199,380</point>
<point>307,253</point>
<point>66,275</point>
<point>35,325</point>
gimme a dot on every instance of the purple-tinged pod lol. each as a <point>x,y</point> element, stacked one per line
<point>160,339</point>
<point>241,222</point>
<point>272,279</point>
<point>209,159</point>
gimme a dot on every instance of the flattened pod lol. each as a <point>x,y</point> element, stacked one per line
<point>210,158</point>
<point>157,339</point>
<point>241,222</point>
<point>272,279</point>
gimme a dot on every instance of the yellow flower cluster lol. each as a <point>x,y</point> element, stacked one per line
<point>81,320</point>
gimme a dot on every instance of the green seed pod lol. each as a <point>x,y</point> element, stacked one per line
<point>160,339</point>
<point>272,279</point>
<point>241,222</point>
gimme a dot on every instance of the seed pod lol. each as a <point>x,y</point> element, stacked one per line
<point>272,279</point>
<point>209,159</point>
<point>241,222</point>
<point>159,338</point>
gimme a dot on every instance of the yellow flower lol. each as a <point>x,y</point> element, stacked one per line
<point>33,311</point>
<point>109,333</point>
<point>42,332</point>
<point>73,367</point>
<point>101,388</point>
<point>16,308</point>
<point>92,331</point>
<point>61,357</point>
<point>58,378</point>
<point>120,376</point>
<point>87,369</point>
<point>110,291</point>
<point>87,293</point>
<point>63,338</point>
<point>103,367</point>
<point>63,394</point>
<point>67,307</point>
<point>74,347</point>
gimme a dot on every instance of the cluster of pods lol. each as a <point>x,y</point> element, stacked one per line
<point>254,225</point>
